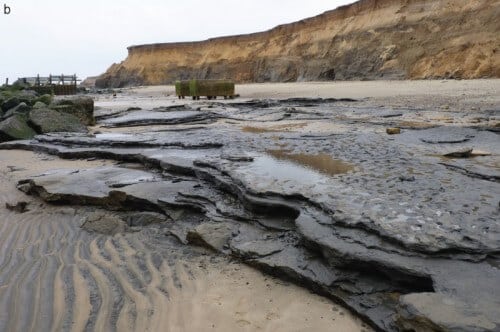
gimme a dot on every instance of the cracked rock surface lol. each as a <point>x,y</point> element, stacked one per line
<point>403,236</point>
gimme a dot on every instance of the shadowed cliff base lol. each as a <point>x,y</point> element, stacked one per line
<point>389,39</point>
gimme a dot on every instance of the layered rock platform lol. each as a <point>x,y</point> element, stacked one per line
<point>386,225</point>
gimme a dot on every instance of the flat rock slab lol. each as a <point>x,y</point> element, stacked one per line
<point>165,139</point>
<point>141,118</point>
<point>429,311</point>
<point>85,186</point>
<point>446,135</point>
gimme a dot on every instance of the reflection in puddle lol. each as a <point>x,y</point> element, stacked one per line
<point>273,170</point>
<point>321,162</point>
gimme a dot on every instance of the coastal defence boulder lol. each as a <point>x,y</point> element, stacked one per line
<point>25,113</point>
<point>15,128</point>
<point>22,109</point>
<point>11,98</point>
<point>80,107</point>
<point>9,103</point>
<point>39,104</point>
<point>46,120</point>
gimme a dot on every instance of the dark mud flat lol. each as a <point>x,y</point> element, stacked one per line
<point>407,239</point>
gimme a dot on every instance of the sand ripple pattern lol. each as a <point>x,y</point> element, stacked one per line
<point>56,277</point>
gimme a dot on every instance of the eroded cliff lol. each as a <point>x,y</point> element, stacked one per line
<point>370,39</point>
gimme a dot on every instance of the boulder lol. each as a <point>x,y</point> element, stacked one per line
<point>81,107</point>
<point>45,120</point>
<point>22,109</point>
<point>10,98</point>
<point>39,104</point>
<point>46,99</point>
<point>27,96</point>
<point>10,103</point>
<point>15,128</point>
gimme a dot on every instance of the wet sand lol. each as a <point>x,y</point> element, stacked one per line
<point>54,276</point>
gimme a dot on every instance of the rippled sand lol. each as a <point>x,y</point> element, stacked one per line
<point>56,277</point>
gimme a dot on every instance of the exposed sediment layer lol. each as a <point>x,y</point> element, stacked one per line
<point>402,240</point>
<point>370,39</point>
<point>55,276</point>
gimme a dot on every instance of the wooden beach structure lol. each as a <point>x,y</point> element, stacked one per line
<point>205,88</point>
<point>53,84</point>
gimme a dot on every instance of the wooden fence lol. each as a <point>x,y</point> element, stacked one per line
<point>53,84</point>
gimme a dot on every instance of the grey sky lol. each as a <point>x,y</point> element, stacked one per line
<point>85,37</point>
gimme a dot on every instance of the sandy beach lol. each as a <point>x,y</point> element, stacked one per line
<point>355,89</point>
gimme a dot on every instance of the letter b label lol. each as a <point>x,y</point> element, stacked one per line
<point>6,9</point>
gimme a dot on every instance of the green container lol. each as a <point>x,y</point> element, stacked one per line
<point>182,88</point>
<point>211,88</point>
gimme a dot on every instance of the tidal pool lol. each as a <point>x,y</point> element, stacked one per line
<point>321,162</point>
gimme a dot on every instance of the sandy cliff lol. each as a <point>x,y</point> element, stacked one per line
<point>370,39</point>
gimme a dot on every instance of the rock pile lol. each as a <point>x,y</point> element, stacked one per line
<point>24,114</point>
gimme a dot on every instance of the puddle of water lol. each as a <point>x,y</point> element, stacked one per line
<point>280,171</point>
<point>322,162</point>
<point>288,173</point>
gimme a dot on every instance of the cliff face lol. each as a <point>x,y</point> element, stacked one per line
<point>370,39</point>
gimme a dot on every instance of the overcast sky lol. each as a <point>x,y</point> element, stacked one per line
<point>86,37</point>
